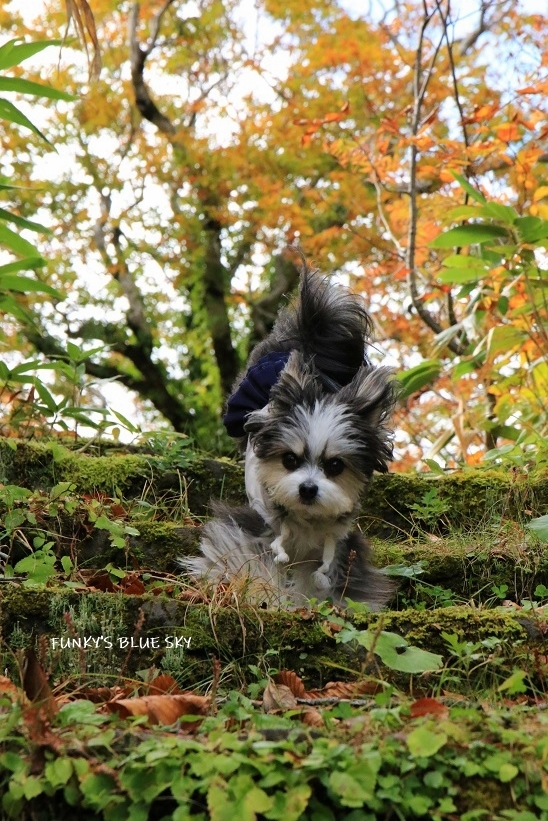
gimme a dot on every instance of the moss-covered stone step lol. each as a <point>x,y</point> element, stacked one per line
<point>472,567</point>
<point>465,500</point>
<point>444,570</point>
<point>194,478</point>
<point>127,633</point>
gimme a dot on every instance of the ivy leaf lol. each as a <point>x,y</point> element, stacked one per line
<point>393,650</point>
<point>423,743</point>
<point>540,527</point>
<point>356,785</point>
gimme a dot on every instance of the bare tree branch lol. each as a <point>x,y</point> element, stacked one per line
<point>484,24</point>
<point>420,83</point>
<point>138,57</point>
<point>216,278</point>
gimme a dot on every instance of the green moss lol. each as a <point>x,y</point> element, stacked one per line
<point>43,464</point>
<point>27,465</point>
<point>425,628</point>
<point>474,499</point>
<point>470,566</point>
<point>238,637</point>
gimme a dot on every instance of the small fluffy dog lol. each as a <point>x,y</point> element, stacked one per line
<point>313,414</point>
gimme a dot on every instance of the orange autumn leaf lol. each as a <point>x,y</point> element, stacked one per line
<point>428,707</point>
<point>507,132</point>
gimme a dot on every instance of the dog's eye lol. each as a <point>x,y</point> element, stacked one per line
<point>333,467</point>
<point>290,461</point>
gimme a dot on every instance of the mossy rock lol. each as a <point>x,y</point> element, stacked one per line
<point>238,636</point>
<point>472,498</point>
<point>195,480</point>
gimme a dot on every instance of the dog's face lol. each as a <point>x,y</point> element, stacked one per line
<point>316,451</point>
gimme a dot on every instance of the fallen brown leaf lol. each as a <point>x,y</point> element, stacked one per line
<point>7,686</point>
<point>346,689</point>
<point>164,684</point>
<point>162,709</point>
<point>312,717</point>
<point>291,680</point>
<point>428,706</point>
<point>278,697</point>
<point>35,685</point>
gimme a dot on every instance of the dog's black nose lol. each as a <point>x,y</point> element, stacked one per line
<point>308,491</point>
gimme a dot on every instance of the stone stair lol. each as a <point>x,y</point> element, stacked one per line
<point>472,557</point>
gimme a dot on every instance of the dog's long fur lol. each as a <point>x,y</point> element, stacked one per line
<point>310,453</point>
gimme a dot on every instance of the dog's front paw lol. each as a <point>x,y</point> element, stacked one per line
<point>321,580</point>
<point>280,556</point>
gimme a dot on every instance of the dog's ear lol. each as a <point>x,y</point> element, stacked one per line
<point>371,395</point>
<point>256,420</point>
<point>297,385</point>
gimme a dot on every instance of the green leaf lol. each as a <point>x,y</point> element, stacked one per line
<point>463,182</point>
<point>45,395</point>
<point>418,377</point>
<point>98,790</point>
<point>14,763</point>
<point>507,772</point>
<point>355,786</point>
<point>106,524</point>
<point>26,264</point>
<point>504,338</point>
<point>406,571</point>
<point>456,276</point>
<point>462,212</point>
<point>59,771</point>
<point>131,531</point>
<point>540,527</point>
<point>434,466</point>
<point>25,367</point>
<point>467,366</point>
<point>423,743</point>
<point>7,216</point>
<point>14,52</point>
<point>473,234</point>
<point>16,243</point>
<point>125,422</point>
<point>514,683</point>
<point>12,114</point>
<point>503,304</point>
<point>61,488</point>
<point>25,285</point>
<point>393,650</point>
<point>420,805</point>
<point>36,89</point>
<point>74,352</point>
<point>14,519</point>
<point>32,787</point>
<point>503,213</point>
<point>532,229</point>
<point>465,261</point>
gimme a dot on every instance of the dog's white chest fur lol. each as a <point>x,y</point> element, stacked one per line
<point>307,544</point>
